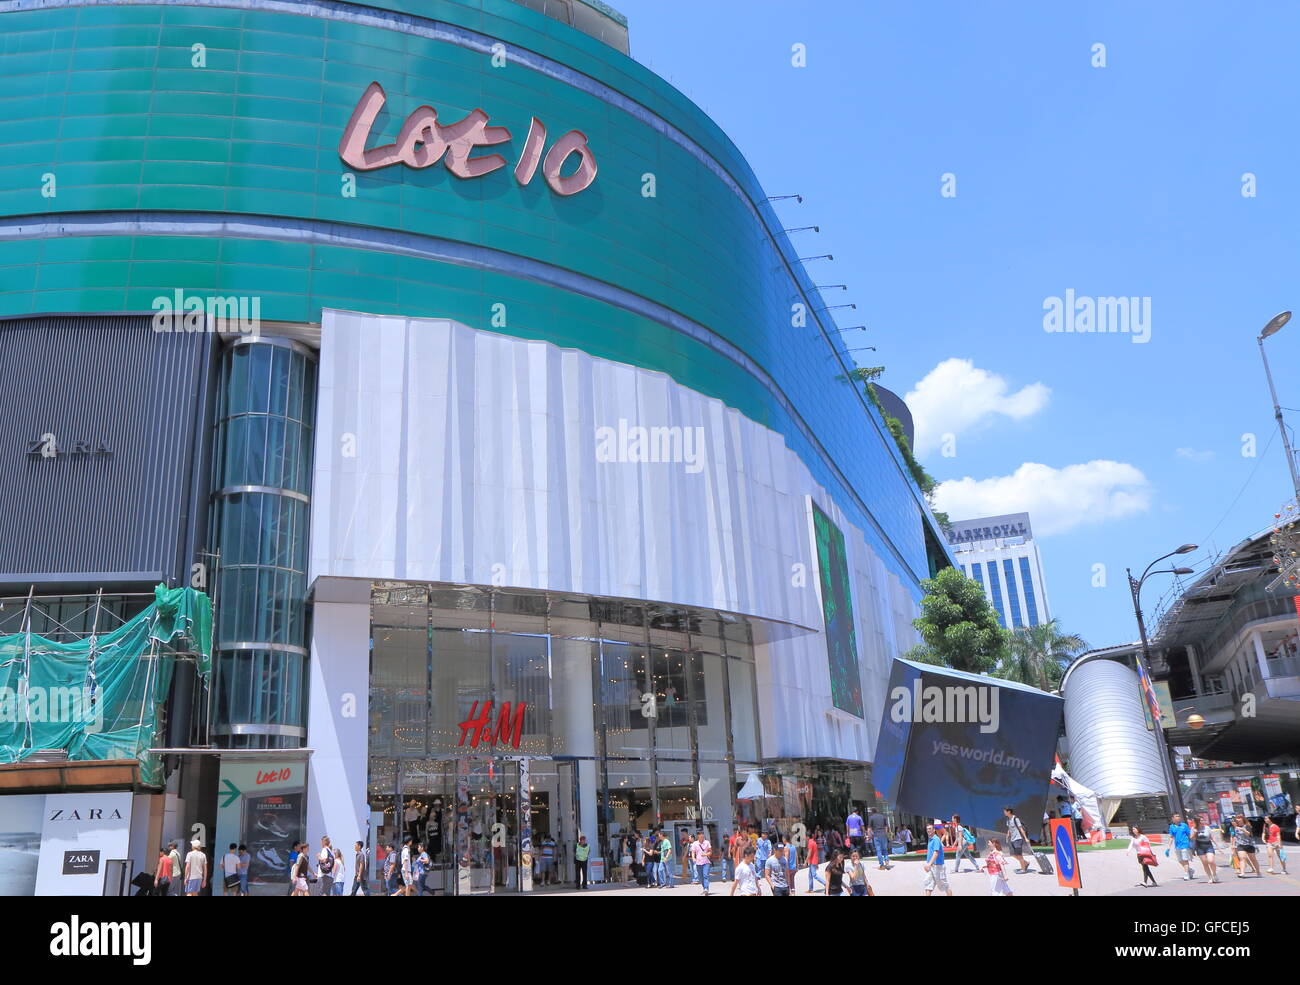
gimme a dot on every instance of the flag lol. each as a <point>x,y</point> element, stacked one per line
<point>1149,693</point>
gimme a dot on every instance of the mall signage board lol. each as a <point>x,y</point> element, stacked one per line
<point>424,140</point>
<point>80,833</point>
<point>261,804</point>
<point>990,528</point>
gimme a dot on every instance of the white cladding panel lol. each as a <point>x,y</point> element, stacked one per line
<point>448,454</point>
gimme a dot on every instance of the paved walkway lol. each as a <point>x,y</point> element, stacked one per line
<point>1105,873</point>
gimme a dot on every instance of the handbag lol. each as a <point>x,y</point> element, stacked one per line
<point>1147,858</point>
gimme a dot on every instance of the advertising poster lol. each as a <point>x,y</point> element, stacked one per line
<point>956,743</point>
<point>21,820</point>
<point>837,608</point>
<point>1247,799</point>
<point>80,834</point>
<point>1278,801</point>
<point>260,803</point>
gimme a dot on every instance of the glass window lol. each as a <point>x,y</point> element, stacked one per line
<point>1013,595</point>
<point>621,687</point>
<point>744,726</point>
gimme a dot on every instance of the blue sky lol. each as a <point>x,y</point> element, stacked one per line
<point>1124,180</point>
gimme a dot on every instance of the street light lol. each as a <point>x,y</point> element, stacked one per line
<point>1272,328</point>
<point>1135,587</point>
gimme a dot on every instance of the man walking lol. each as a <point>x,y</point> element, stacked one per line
<point>178,874</point>
<point>196,870</point>
<point>762,852</point>
<point>244,860</point>
<point>666,861</point>
<point>936,877</point>
<point>776,872</point>
<point>361,875</point>
<point>1180,834</point>
<point>230,869</point>
<point>853,829</point>
<point>879,837</point>
<point>702,859</point>
<point>746,875</point>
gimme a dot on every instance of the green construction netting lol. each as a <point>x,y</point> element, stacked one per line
<point>101,697</point>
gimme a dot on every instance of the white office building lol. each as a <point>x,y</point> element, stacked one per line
<point>999,552</point>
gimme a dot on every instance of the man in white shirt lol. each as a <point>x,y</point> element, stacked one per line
<point>325,873</point>
<point>230,869</point>
<point>746,876</point>
<point>196,869</point>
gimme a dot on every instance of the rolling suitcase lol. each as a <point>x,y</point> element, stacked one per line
<point>1044,864</point>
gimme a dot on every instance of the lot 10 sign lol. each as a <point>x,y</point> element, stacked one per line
<point>423,141</point>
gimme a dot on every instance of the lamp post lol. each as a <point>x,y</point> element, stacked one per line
<point>1272,328</point>
<point>1135,587</point>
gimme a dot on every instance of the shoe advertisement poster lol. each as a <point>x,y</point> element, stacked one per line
<point>262,804</point>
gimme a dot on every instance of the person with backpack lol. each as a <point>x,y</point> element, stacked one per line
<point>1017,840</point>
<point>965,845</point>
<point>325,867</point>
<point>174,853</point>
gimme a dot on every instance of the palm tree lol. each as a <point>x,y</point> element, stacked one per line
<point>1039,655</point>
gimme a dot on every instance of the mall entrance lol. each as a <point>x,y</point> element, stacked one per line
<point>490,824</point>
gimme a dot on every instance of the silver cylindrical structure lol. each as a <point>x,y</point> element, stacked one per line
<point>1111,749</point>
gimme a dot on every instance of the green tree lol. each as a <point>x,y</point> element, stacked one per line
<point>958,627</point>
<point>1038,655</point>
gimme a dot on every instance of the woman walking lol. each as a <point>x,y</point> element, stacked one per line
<point>1140,845</point>
<point>1243,844</point>
<point>1273,845</point>
<point>1203,847</point>
<point>995,864</point>
<point>835,875</point>
<point>301,873</point>
<point>162,876</point>
<point>857,873</point>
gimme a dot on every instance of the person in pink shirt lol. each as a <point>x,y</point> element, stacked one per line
<point>702,859</point>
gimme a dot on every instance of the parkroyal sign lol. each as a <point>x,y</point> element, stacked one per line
<point>423,141</point>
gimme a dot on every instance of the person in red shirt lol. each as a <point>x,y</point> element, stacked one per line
<point>1273,841</point>
<point>814,858</point>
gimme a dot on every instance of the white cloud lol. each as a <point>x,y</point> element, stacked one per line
<point>1194,454</point>
<point>955,397</point>
<point>1056,500</point>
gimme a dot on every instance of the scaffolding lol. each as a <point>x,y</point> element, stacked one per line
<point>98,691</point>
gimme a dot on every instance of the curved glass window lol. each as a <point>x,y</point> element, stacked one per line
<point>263,440</point>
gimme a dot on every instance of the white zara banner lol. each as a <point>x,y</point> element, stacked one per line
<point>80,834</point>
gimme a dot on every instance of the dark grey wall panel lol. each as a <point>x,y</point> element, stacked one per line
<point>128,409</point>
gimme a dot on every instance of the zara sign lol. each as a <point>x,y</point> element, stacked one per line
<point>424,141</point>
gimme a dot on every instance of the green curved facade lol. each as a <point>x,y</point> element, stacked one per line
<point>120,152</point>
